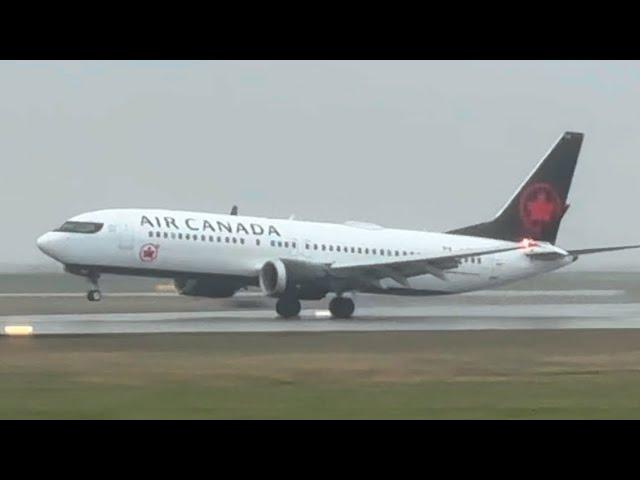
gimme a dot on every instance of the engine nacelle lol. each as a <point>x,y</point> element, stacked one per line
<point>273,278</point>
<point>307,281</point>
<point>211,288</point>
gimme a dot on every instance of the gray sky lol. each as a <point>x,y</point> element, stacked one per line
<point>424,145</point>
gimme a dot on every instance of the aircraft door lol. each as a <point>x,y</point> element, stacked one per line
<point>497,268</point>
<point>125,237</point>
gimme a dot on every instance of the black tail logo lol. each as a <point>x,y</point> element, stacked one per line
<point>536,209</point>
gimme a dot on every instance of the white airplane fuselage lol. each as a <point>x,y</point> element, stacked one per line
<point>215,255</point>
<point>167,243</point>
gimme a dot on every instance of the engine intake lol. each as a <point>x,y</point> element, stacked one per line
<point>306,281</point>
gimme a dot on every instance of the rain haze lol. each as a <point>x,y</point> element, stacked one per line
<point>418,145</point>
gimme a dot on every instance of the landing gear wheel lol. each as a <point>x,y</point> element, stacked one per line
<point>341,307</point>
<point>288,307</point>
<point>94,295</point>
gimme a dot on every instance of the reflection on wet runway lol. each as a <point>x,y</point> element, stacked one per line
<point>414,317</point>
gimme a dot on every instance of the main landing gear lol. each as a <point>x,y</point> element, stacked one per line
<point>340,307</point>
<point>94,295</point>
<point>288,307</point>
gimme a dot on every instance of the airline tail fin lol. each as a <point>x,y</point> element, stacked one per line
<point>537,207</point>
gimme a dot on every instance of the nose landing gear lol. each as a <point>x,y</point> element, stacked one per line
<point>94,295</point>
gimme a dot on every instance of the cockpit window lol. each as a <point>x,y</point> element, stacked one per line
<point>80,227</point>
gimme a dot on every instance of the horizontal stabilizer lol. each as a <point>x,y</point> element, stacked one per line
<point>586,251</point>
<point>546,256</point>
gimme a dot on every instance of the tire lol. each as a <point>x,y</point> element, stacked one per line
<point>341,307</point>
<point>94,295</point>
<point>288,307</point>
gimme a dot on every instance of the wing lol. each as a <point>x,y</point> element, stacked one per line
<point>586,251</point>
<point>401,270</point>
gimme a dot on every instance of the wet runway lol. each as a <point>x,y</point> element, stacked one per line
<point>38,313</point>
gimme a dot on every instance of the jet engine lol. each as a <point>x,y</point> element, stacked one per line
<point>211,288</point>
<point>304,280</point>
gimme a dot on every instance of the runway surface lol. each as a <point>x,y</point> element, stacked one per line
<point>169,313</point>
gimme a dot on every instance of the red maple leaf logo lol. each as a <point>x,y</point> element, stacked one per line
<point>148,252</point>
<point>541,209</point>
<point>540,205</point>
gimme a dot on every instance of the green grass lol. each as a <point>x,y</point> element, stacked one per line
<point>59,397</point>
<point>457,375</point>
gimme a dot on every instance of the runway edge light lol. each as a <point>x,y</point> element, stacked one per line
<point>18,330</point>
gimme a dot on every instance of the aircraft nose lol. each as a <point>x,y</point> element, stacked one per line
<point>46,243</point>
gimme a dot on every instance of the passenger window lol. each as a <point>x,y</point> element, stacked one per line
<point>315,246</point>
<point>324,247</point>
<point>173,235</point>
<point>280,244</point>
<point>151,234</point>
<point>179,236</point>
<point>157,234</point>
<point>366,250</point>
<point>226,239</point>
<point>257,241</point>
<point>479,259</point>
<point>211,238</point>
<point>359,249</point>
<point>195,237</point>
<point>203,238</point>
<point>286,244</point>
<point>381,251</point>
<point>219,239</point>
<point>373,250</point>
<point>187,236</point>
<point>331,248</point>
<point>273,243</point>
<point>307,246</point>
<point>165,235</point>
<point>242,241</point>
<point>235,240</point>
<point>397,253</point>
<point>338,248</point>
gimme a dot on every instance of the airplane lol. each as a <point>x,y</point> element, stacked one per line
<point>215,255</point>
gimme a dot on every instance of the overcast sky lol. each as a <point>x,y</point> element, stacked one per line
<point>418,145</point>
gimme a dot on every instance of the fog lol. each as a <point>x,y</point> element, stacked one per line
<point>419,145</point>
